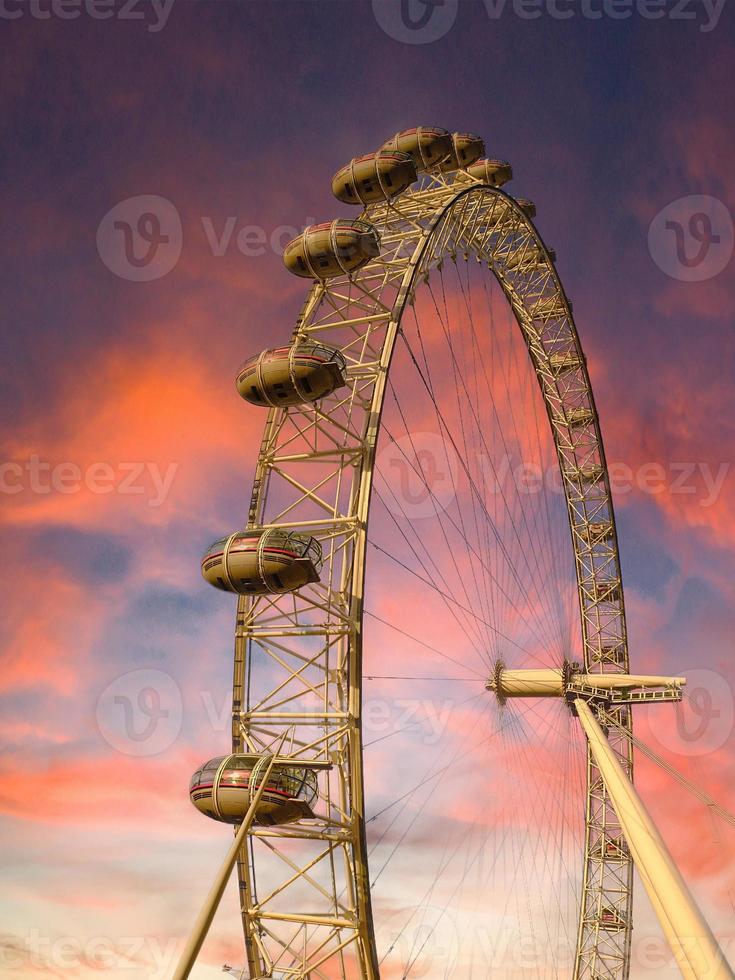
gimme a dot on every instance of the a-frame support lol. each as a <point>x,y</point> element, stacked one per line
<point>695,948</point>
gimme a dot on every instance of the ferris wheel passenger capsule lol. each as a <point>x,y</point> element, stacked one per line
<point>565,361</point>
<point>258,562</point>
<point>428,146</point>
<point>375,177</point>
<point>304,372</point>
<point>466,150</point>
<point>333,248</point>
<point>494,172</point>
<point>611,919</point>
<point>528,207</point>
<point>221,788</point>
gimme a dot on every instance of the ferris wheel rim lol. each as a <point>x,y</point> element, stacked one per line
<point>406,291</point>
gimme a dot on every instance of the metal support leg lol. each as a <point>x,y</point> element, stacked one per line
<point>697,953</point>
<point>204,920</point>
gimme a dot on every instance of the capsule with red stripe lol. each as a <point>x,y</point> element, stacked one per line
<point>426,145</point>
<point>263,562</point>
<point>374,177</point>
<point>333,248</point>
<point>221,789</point>
<point>493,172</point>
<point>304,372</point>
<point>467,148</point>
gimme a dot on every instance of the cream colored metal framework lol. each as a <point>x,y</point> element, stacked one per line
<point>305,894</point>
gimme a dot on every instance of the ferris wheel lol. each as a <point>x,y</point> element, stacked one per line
<point>394,534</point>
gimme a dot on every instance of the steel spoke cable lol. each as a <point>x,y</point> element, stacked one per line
<point>554,828</point>
<point>696,791</point>
<point>444,426</point>
<point>467,456</point>
<point>470,547</point>
<point>420,539</point>
<point>438,507</point>
<point>437,589</point>
<point>526,377</point>
<point>450,600</point>
<point>432,775</point>
<point>496,533</point>
<point>400,731</point>
<point>444,322</point>
<point>428,646</point>
<point>488,550</point>
<point>554,546</point>
<point>443,514</point>
<point>537,574</point>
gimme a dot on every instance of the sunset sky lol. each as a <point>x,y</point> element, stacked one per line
<point>125,449</point>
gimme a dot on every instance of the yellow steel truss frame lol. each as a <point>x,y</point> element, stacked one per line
<point>298,657</point>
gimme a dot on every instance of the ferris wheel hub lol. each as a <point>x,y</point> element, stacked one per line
<point>571,682</point>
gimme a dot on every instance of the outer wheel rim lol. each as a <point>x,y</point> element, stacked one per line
<point>442,218</point>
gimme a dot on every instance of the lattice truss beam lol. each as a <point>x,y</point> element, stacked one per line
<point>304,888</point>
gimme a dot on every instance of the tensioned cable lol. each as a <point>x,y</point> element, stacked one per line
<point>540,590</point>
<point>438,510</point>
<point>480,594</point>
<point>428,646</point>
<point>470,547</point>
<point>444,323</point>
<point>701,794</point>
<point>436,589</point>
<point>472,484</point>
<point>449,595</point>
<point>445,431</point>
<point>555,541</point>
